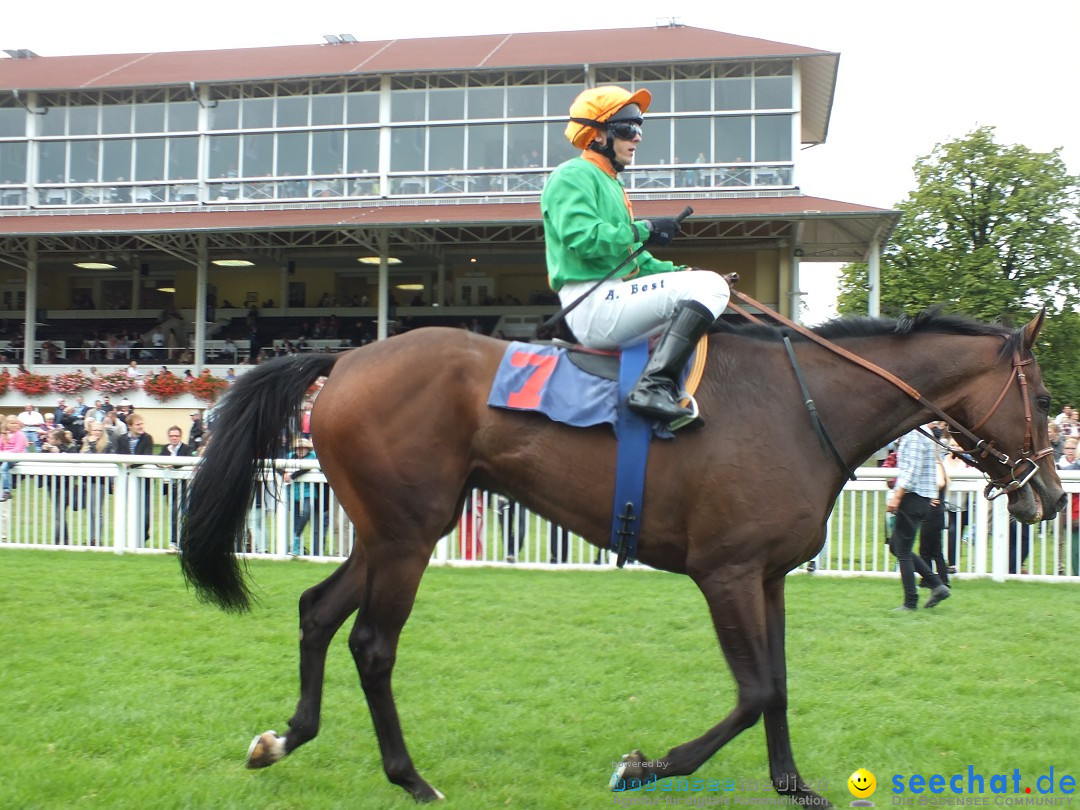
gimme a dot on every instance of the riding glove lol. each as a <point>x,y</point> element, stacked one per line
<point>662,231</point>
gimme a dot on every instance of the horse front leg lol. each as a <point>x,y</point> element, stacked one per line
<point>392,587</point>
<point>323,609</point>
<point>736,603</point>
<point>785,776</point>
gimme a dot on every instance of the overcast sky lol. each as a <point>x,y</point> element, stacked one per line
<point>911,74</point>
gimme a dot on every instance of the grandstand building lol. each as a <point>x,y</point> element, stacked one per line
<point>389,184</point>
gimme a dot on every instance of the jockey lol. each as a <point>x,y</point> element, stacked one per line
<point>589,227</point>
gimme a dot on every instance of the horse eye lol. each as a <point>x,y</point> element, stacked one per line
<point>1043,403</point>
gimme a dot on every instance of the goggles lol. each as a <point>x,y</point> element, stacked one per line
<point>624,130</point>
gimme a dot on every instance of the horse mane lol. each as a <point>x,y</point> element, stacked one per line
<point>929,321</point>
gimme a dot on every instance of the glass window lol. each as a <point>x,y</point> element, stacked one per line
<point>258,156</point>
<point>733,139</point>
<point>524,145</point>
<point>525,102</point>
<point>407,105</point>
<point>52,156</point>
<point>362,108</point>
<point>655,146</point>
<point>772,93</point>
<point>12,162</point>
<point>149,118</point>
<point>150,159</point>
<point>407,149</point>
<point>82,120</point>
<point>292,111</point>
<point>183,158</point>
<point>558,148</point>
<point>183,116</point>
<point>363,151</point>
<point>292,153</point>
<point>692,140</point>
<point>486,146</point>
<point>661,96</point>
<point>13,122</point>
<point>446,104</point>
<point>84,162</point>
<point>447,148</point>
<point>732,94</point>
<point>224,155</point>
<point>773,139</point>
<point>116,160</point>
<point>692,94</point>
<point>258,113</point>
<point>327,109</point>
<point>115,119</point>
<point>485,102</point>
<point>327,152</point>
<point>560,97</point>
<point>226,115</point>
<point>54,122</point>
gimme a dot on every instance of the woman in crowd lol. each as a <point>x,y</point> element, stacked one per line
<point>97,440</point>
<point>12,440</point>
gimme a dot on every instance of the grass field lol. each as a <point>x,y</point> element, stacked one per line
<point>516,688</point>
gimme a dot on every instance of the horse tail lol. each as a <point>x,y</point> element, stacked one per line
<point>255,421</point>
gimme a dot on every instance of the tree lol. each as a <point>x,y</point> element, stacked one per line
<point>991,231</point>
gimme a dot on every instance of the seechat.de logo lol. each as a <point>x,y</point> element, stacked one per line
<point>862,785</point>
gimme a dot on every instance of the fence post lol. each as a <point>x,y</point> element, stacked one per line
<point>120,508</point>
<point>1000,537</point>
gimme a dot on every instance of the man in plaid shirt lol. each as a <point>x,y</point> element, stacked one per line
<point>915,493</point>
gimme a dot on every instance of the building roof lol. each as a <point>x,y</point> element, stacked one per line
<point>629,46</point>
<point>831,230</point>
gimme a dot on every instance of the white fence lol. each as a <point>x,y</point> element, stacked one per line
<point>133,504</point>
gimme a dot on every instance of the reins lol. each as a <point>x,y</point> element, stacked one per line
<point>997,486</point>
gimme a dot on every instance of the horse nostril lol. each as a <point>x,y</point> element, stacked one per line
<point>1061,502</point>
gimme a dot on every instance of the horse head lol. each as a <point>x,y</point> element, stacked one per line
<point>1010,443</point>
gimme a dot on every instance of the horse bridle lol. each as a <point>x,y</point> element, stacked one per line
<point>1016,475</point>
<point>984,448</point>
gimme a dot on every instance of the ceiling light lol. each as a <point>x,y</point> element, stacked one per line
<point>376,260</point>
<point>409,286</point>
<point>233,263</point>
<point>95,266</point>
<point>472,260</point>
<point>166,289</point>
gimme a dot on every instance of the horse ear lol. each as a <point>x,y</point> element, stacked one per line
<point>1031,331</point>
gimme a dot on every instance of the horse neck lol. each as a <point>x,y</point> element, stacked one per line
<point>944,369</point>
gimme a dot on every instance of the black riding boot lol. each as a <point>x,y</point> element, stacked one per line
<point>656,394</point>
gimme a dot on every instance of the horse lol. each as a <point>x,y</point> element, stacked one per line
<point>403,432</point>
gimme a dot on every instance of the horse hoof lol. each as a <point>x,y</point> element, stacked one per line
<point>629,769</point>
<point>265,750</point>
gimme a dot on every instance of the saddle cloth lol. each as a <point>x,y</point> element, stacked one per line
<point>541,377</point>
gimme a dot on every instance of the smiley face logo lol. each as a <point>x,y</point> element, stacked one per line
<point>862,784</point>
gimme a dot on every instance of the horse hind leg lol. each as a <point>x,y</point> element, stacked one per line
<point>392,586</point>
<point>323,609</point>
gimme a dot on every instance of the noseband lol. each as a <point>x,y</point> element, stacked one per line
<point>1019,469</point>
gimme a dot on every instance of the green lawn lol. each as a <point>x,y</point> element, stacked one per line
<point>516,688</point>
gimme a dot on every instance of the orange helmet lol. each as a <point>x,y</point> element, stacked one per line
<point>597,105</point>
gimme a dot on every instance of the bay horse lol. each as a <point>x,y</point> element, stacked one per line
<point>403,432</point>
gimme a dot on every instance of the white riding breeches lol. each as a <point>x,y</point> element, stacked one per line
<point>620,313</point>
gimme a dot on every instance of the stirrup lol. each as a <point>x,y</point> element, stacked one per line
<point>683,421</point>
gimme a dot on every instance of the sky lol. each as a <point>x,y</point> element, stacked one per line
<point>911,75</point>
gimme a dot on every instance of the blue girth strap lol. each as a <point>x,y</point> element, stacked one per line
<point>633,433</point>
